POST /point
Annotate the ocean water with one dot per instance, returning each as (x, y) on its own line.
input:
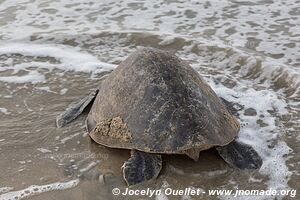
(54, 52)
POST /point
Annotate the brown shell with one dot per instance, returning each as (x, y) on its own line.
(155, 102)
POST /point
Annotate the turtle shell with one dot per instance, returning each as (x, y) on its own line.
(155, 102)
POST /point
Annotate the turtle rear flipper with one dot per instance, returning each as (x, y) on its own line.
(75, 109)
(141, 167)
(240, 155)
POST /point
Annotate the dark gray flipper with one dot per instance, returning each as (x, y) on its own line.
(240, 155)
(75, 109)
(141, 167)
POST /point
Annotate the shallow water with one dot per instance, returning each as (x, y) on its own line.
(54, 52)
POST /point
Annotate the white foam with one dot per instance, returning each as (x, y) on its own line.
(167, 40)
(277, 27)
(45, 88)
(264, 100)
(210, 174)
(43, 150)
(251, 133)
(5, 189)
(63, 91)
(5, 111)
(68, 58)
(72, 58)
(38, 189)
(88, 167)
(64, 140)
(31, 77)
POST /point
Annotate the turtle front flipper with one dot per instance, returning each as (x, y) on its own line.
(141, 167)
(240, 155)
(75, 109)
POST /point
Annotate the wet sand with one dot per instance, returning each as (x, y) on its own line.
(36, 86)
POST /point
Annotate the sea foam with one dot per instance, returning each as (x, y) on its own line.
(38, 189)
(67, 58)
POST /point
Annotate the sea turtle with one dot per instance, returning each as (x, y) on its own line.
(154, 103)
